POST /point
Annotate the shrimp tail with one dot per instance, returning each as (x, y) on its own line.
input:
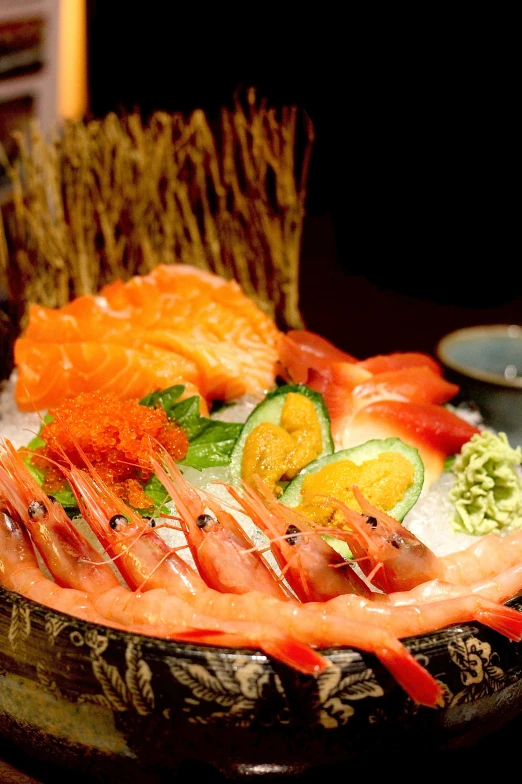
(421, 686)
(503, 619)
(297, 655)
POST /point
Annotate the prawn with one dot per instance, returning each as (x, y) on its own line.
(75, 563)
(307, 561)
(138, 551)
(394, 559)
(498, 588)
(224, 555)
(20, 572)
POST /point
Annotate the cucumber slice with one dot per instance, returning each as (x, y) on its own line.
(269, 410)
(370, 450)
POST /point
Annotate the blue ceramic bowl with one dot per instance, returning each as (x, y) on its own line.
(486, 362)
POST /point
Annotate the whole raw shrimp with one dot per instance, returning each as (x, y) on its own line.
(495, 589)
(75, 563)
(20, 572)
(309, 564)
(224, 555)
(394, 559)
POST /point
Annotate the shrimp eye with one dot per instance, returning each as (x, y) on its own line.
(52, 499)
(292, 529)
(372, 521)
(37, 510)
(203, 520)
(396, 541)
(117, 520)
(151, 520)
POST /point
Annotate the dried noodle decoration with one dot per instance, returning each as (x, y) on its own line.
(113, 198)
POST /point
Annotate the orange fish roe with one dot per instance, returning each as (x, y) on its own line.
(115, 437)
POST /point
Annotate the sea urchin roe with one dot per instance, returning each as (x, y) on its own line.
(276, 452)
(383, 481)
(115, 435)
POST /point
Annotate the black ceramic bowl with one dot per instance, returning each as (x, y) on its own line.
(123, 707)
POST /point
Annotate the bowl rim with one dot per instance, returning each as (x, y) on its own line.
(513, 331)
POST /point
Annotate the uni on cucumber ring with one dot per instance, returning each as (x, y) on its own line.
(388, 472)
(287, 430)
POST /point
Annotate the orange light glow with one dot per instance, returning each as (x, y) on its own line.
(72, 59)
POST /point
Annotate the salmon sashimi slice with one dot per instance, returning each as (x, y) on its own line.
(226, 371)
(178, 324)
(51, 372)
(81, 319)
(175, 294)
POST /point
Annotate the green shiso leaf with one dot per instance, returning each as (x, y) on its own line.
(449, 463)
(154, 490)
(65, 497)
(165, 398)
(211, 441)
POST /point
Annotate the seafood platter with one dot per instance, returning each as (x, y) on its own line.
(280, 543)
(227, 541)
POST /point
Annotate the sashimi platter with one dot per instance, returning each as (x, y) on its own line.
(220, 535)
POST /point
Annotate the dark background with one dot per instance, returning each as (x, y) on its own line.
(412, 218)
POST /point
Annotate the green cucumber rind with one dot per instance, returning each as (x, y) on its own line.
(269, 410)
(359, 454)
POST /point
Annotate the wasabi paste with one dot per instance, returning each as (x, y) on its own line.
(487, 493)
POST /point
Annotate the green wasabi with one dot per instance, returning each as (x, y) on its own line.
(487, 494)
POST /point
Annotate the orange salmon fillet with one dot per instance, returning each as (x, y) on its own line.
(50, 372)
(177, 324)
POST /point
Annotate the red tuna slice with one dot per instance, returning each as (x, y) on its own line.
(416, 384)
(434, 430)
(382, 363)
